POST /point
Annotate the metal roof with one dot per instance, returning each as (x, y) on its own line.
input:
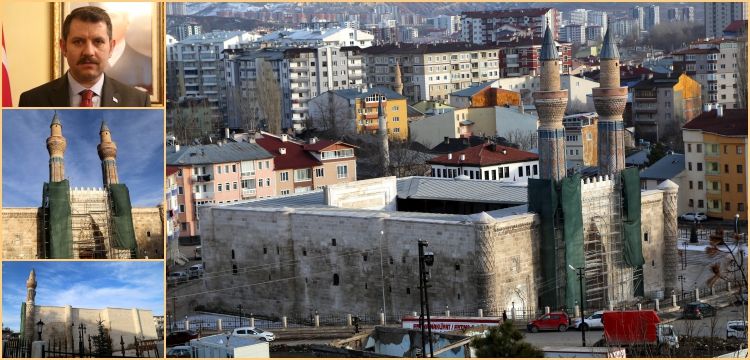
(666, 168)
(609, 48)
(549, 50)
(482, 191)
(216, 154)
(471, 90)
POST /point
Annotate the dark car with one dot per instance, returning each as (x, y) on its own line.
(698, 310)
(180, 337)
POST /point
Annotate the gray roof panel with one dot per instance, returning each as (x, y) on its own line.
(215, 154)
(666, 168)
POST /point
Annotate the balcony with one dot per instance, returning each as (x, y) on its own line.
(300, 109)
(201, 178)
(248, 193)
(203, 195)
(299, 78)
(248, 175)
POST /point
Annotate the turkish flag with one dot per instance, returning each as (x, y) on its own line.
(7, 99)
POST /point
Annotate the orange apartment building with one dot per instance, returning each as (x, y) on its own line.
(217, 174)
(716, 161)
(305, 166)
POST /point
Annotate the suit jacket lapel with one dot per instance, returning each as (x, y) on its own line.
(109, 93)
(60, 95)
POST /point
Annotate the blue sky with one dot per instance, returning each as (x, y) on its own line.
(137, 133)
(93, 285)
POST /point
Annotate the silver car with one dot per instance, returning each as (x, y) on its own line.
(254, 332)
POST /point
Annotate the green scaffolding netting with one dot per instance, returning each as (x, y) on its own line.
(543, 201)
(570, 201)
(122, 218)
(59, 232)
(23, 320)
(631, 219)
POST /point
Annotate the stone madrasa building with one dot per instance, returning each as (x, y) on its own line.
(498, 246)
(61, 322)
(82, 223)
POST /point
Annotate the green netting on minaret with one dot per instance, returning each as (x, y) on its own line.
(59, 232)
(122, 218)
(23, 320)
(543, 201)
(573, 236)
(631, 216)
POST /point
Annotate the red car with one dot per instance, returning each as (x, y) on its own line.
(551, 321)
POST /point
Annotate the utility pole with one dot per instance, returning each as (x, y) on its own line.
(580, 272)
(425, 259)
(682, 286)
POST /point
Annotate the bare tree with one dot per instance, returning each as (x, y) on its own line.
(193, 122)
(244, 108)
(268, 93)
(526, 139)
(407, 161)
(330, 117)
(742, 67)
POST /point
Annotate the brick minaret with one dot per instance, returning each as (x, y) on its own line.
(107, 153)
(383, 137)
(610, 99)
(29, 323)
(550, 104)
(399, 86)
(56, 145)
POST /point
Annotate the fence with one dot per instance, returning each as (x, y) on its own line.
(16, 348)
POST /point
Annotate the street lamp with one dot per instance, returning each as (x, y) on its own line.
(682, 285)
(39, 327)
(81, 331)
(425, 259)
(736, 223)
(382, 274)
(580, 272)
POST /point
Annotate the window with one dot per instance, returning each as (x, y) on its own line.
(226, 169)
(284, 176)
(226, 186)
(268, 182)
(739, 149)
(335, 279)
(179, 190)
(234, 168)
(698, 148)
(536, 170)
(726, 168)
(268, 164)
(690, 203)
(219, 189)
(700, 185)
(342, 171)
(700, 204)
(179, 172)
(319, 172)
(740, 188)
(285, 192)
(218, 169)
(520, 171)
(260, 165)
(302, 175)
(234, 185)
(740, 206)
(645, 237)
(690, 184)
(182, 208)
(739, 169)
(690, 166)
(727, 206)
(699, 166)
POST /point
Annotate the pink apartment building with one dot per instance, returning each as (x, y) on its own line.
(216, 174)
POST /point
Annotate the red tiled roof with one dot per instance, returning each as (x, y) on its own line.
(732, 123)
(172, 169)
(296, 156)
(323, 144)
(483, 155)
(736, 26)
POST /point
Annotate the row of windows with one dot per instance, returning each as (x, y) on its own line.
(714, 148)
(716, 185)
(715, 205)
(502, 172)
(713, 167)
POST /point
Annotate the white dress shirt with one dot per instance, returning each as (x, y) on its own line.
(76, 88)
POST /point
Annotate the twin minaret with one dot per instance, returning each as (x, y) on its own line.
(56, 145)
(551, 101)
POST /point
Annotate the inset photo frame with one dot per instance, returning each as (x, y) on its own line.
(138, 57)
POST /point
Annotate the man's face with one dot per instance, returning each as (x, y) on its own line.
(87, 50)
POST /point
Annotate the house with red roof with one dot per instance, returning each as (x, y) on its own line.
(487, 161)
(305, 166)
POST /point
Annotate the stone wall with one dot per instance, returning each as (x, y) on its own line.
(127, 323)
(21, 233)
(149, 232)
(299, 261)
(652, 223)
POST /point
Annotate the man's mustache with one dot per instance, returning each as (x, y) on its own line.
(88, 60)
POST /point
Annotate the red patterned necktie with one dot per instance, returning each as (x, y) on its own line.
(86, 96)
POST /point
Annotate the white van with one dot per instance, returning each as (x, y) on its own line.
(195, 271)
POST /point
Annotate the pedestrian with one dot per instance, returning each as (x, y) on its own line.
(505, 316)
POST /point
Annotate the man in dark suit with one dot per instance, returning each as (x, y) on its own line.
(86, 44)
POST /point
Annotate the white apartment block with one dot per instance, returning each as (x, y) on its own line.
(480, 27)
(717, 15)
(575, 34)
(431, 71)
(303, 72)
(346, 36)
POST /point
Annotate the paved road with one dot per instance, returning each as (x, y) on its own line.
(571, 337)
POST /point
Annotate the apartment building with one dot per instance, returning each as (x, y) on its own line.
(218, 174)
(581, 140)
(718, 15)
(487, 162)
(481, 27)
(339, 37)
(519, 56)
(681, 14)
(431, 71)
(579, 90)
(662, 104)
(356, 111)
(575, 34)
(714, 64)
(305, 166)
(302, 72)
(716, 163)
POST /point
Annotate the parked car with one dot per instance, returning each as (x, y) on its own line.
(181, 337)
(181, 351)
(694, 217)
(254, 332)
(698, 310)
(593, 321)
(177, 277)
(551, 321)
(737, 329)
(195, 271)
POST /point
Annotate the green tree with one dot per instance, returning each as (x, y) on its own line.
(657, 152)
(505, 341)
(102, 343)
